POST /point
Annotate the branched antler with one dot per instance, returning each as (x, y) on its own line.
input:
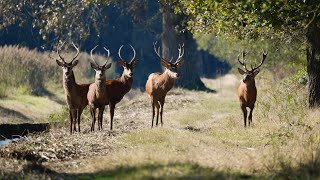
(58, 51)
(264, 55)
(243, 63)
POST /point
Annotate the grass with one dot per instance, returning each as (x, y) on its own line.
(26, 71)
(202, 137)
(30, 108)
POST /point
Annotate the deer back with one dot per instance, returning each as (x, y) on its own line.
(159, 84)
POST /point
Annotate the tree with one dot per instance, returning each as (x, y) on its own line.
(171, 38)
(287, 19)
(85, 22)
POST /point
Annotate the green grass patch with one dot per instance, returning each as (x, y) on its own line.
(156, 136)
(239, 136)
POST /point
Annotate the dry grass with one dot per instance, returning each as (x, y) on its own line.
(25, 71)
(202, 137)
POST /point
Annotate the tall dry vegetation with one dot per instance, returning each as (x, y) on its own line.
(29, 71)
(292, 128)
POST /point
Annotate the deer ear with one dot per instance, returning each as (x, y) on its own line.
(93, 65)
(59, 63)
(74, 63)
(164, 64)
(135, 62)
(179, 64)
(107, 66)
(241, 71)
(122, 63)
(256, 72)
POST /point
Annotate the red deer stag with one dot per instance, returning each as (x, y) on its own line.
(158, 84)
(97, 94)
(247, 91)
(75, 94)
(117, 88)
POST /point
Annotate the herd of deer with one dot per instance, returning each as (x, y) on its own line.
(110, 92)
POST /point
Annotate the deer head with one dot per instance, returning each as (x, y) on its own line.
(128, 67)
(249, 75)
(67, 67)
(169, 65)
(100, 70)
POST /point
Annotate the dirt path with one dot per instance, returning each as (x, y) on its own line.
(202, 132)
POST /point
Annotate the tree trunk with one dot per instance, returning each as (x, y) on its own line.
(171, 38)
(313, 64)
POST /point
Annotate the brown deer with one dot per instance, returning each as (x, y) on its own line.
(158, 84)
(75, 94)
(247, 91)
(117, 88)
(97, 94)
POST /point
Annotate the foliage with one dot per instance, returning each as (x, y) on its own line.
(59, 18)
(279, 54)
(250, 18)
(69, 20)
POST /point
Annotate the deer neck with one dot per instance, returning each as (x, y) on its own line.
(69, 82)
(127, 81)
(100, 83)
(167, 80)
(250, 84)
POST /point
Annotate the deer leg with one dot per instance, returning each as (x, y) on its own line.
(152, 104)
(161, 110)
(250, 116)
(93, 114)
(156, 103)
(75, 118)
(111, 106)
(100, 117)
(244, 111)
(78, 117)
(70, 117)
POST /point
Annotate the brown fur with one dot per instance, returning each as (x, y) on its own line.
(76, 98)
(247, 91)
(97, 94)
(97, 99)
(158, 84)
(116, 89)
(157, 87)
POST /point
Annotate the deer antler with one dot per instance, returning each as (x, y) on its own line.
(264, 55)
(158, 52)
(119, 53)
(134, 54)
(243, 63)
(181, 53)
(108, 51)
(171, 60)
(58, 51)
(108, 55)
(77, 52)
(92, 55)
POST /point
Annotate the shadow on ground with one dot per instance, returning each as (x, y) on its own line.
(8, 130)
(149, 171)
(161, 171)
(12, 113)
